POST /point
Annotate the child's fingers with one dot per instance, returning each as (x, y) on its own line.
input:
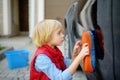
(86, 49)
(78, 43)
(85, 44)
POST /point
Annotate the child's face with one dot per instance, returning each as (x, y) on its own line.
(58, 37)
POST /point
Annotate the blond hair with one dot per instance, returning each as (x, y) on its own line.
(43, 31)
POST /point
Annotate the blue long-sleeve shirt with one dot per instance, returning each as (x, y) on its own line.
(44, 64)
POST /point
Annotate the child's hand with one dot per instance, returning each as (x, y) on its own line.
(76, 49)
(84, 50)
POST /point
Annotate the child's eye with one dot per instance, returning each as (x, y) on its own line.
(59, 32)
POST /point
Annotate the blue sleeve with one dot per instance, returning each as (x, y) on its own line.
(44, 64)
(67, 61)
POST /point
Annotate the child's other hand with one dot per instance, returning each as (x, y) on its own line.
(76, 49)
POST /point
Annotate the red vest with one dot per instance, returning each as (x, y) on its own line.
(56, 57)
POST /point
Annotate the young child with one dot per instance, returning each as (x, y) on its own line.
(48, 62)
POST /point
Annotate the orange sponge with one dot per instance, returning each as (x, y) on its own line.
(89, 61)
